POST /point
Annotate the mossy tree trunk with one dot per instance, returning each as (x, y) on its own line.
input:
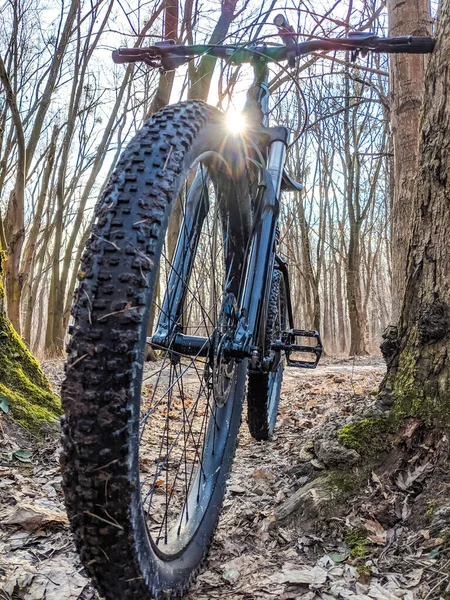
(24, 389)
(418, 378)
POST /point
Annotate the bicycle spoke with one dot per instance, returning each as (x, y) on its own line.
(182, 428)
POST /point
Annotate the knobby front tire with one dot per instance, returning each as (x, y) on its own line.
(146, 455)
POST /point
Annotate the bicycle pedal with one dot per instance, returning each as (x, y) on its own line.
(290, 347)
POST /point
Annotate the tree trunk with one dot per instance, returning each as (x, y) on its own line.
(340, 307)
(418, 378)
(49, 88)
(355, 307)
(15, 217)
(30, 248)
(407, 77)
(14, 229)
(354, 299)
(308, 270)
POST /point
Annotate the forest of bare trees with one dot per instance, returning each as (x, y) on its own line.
(347, 494)
(66, 113)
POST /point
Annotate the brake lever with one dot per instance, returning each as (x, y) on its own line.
(288, 37)
(158, 56)
(170, 63)
(167, 62)
(364, 36)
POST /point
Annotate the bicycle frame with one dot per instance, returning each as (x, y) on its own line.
(252, 306)
(248, 341)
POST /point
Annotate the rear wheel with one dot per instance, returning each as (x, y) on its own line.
(147, 448)
(264, 388)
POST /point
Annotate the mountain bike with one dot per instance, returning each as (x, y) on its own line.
(148, 447)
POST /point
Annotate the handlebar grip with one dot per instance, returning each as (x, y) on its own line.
(118, 58)
(407, 45)
(422, 44)
(284, 29)
(128, 55)
(288, 37)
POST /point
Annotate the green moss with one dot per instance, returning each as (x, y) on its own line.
(344, 483)
(364, 570)
(432, 506)
(367, 436)
(421, 381)
(30, 398)
(359, 552)
(358, 542)
(418, 386)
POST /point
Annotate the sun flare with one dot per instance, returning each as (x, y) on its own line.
(235, 121)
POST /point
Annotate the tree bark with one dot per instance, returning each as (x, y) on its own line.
(352, 191)
(418, 378)
(14, 229)
(407, 77)
(30, 248)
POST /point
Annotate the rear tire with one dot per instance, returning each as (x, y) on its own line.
(145, 468)
(264, 388)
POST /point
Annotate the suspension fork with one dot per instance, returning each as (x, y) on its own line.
(167, 329)
(253, 303)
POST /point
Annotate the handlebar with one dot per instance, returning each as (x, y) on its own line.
(169, 56)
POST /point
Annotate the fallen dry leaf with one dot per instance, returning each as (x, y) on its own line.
(231, 575)
(56, 579)
(315, 576)
(413, 578)
(432, 543)
(33, 517)
(405, 480)
(263, 474)
(376, 479)
(377, 534)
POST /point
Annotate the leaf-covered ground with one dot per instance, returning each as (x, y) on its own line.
(303, 517)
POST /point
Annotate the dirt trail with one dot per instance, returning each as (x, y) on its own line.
(319, 552)
(338, 366)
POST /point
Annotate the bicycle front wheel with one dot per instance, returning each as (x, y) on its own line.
(147, 449)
